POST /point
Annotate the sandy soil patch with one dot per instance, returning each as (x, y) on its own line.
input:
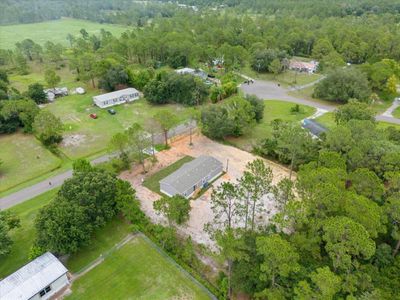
(73, 140)
(234, 160)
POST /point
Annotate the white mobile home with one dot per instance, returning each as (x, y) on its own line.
(117, 97)
(40, 279)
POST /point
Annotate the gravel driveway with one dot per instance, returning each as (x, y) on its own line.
(201, 212)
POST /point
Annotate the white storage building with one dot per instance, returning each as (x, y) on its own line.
(40, 279)
(117, 97)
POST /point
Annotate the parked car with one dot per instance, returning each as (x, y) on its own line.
(93, 116)
(111, 111)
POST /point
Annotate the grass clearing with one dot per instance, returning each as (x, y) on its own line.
(152, 182)
(23, 236)
(274, 109)
(103, 239)
(55, 31)
(24, 158)
(396, 113)
(136, 271)
(85, 136)
(36, 75)
(328, 120)
(288, 78)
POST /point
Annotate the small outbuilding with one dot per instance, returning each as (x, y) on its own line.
(40, 279)
(191, 177)
(117, 97)
(52, 94)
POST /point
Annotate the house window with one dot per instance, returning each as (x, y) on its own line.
(46, 290)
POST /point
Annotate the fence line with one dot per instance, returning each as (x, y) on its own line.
(127, 239)
(172, 261)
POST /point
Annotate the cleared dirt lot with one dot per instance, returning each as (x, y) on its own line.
(201, 213)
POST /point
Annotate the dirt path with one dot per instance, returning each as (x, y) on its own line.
(234, 160)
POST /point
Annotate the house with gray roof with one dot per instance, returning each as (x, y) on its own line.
(117, 97)
(315, 128)
(40, 279)
(191, 177)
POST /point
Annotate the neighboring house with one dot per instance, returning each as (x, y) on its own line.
(301, 66)
(315, 128)
(40, 279)
(56, 92)
(195, 72)
(117, 97)
(191, 177)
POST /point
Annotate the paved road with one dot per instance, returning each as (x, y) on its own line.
(271, 91)
(56, 181)
(304, 86)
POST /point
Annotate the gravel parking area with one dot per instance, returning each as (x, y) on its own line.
(201, 213)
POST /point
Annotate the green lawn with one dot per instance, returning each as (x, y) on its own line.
(85, 136)
(274, 109)
(328, 120)
(152, 182)
(55, 31)
(136, 271)
(36, 75)
(396, 113)
(23, 158)
(23, 236)
(103, 239)
(288, 78)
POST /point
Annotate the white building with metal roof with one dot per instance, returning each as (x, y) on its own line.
(117, 97)
(192, 176)
(39, 279)
(195, 72)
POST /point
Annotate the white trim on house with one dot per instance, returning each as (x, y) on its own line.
(117, 97)
(39, 279)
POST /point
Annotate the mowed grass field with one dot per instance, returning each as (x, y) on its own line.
(274, 109)
(24, 158)
(85, 136)
(136, 271)
(288, 78)
(54, 31)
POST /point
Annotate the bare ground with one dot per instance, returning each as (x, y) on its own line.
(234, 159)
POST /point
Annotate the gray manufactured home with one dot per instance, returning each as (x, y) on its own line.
(191, 176)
